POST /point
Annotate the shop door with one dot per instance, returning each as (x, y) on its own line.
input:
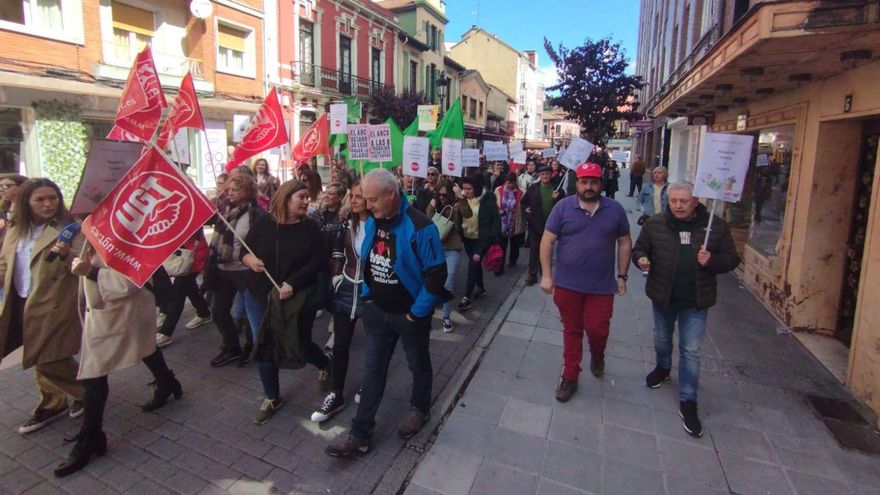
(855, 245)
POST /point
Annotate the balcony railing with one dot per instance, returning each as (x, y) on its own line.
(324, 78)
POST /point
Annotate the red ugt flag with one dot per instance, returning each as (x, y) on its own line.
(267, 131)
(150, 213)
(314, 142)
(185, 112)
(140, 107)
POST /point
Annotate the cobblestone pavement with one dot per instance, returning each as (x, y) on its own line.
(207, 443)
(507, 434)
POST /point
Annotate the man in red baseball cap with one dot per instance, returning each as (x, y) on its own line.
(593, 235)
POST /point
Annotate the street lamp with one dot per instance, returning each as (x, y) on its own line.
(442, 88)
(525, 129)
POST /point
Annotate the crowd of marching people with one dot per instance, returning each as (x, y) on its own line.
(382, 249)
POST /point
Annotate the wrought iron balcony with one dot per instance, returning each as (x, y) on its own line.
(326, 79)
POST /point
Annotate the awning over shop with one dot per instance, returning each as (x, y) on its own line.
(481, 134)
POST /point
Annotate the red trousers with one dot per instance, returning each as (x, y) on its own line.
(581, 313)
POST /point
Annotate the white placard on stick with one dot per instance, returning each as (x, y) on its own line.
(359, 142)
(380, 143)
(338, 118)
(620, 156)
(515, 147)
(549, 153)
(494, 151)
(722, 167)
(107, 163)
(520, 157)
(470, 157)
(577, 152)
(451, 157)
(181, 144)
(415, 156)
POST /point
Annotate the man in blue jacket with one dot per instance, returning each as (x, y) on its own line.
(404, 274)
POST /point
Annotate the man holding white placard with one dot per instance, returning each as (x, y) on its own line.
(682, 287)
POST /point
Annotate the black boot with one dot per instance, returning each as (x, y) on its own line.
(164, 389)
(87, 445)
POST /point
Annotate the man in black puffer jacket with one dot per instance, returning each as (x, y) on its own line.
(682, 286)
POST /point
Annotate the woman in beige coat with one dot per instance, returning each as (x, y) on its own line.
(39, 304)
(119, 331)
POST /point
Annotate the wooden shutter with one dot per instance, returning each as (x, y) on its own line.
(231, 38)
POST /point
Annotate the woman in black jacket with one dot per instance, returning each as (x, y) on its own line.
(480, 231)
(287, 245)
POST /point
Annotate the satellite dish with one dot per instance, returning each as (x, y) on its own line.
(201, 9)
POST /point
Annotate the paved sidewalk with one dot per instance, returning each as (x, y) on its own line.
(207, 443)
(507, 434)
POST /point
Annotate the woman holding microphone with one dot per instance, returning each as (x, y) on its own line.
(39, 310)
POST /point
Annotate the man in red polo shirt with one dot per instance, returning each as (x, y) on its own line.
(592, 231)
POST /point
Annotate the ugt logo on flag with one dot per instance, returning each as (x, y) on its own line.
(146, 217)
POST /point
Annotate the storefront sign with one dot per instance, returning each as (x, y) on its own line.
(415, 156)
(722, 167)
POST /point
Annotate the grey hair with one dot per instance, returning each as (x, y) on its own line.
(382, 178)
(683, 185)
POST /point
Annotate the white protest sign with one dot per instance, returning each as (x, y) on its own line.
(520, 157)
(359, 142)
(470, 157)
(180, 144)
(722, 167)
(415, 156)
(620, 156)
(549, 153)
(213, 150)
(338, 118)
(577, 152)
(380, 143)
(451, 157)
(515, 147)
(494, 151)
(107, 163)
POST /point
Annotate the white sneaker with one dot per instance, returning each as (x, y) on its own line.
(163, 340)
(447, 325)
(330, 342)
(198, 321)
(160, 319)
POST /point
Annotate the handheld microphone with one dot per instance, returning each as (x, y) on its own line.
(66, 235)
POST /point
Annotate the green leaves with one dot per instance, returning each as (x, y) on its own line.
(61, 139)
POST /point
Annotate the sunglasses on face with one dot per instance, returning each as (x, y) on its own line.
(432, 174)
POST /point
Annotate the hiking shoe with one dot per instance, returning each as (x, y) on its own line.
(687, 410)
(597, 365)
(41, 418)
(479, 292)
(226, 356)
(198, 321)
(76, 409)
(347, 444)
(565, 389)
(447, 325)
(333, 403)
(464, 304)
(267, 409)
(412, 424)
(163, 340)
(357, 396)
(656, 377)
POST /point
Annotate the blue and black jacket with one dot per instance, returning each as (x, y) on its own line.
(420, 263)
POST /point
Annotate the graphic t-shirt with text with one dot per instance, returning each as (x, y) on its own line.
(389, 293)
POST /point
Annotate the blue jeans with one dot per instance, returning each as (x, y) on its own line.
(255, 310)
(691, 329)
(452, 258)
(383, 331)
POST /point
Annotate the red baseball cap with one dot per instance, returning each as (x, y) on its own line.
(588, 169)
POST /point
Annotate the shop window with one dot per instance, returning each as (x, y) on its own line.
(133, 28)
(768, 179)
(10, 140)
(233, 55)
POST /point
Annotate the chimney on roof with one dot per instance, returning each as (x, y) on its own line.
(532, 55)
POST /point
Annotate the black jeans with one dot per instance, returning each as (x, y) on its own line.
(182, 288)
(225, 287)
(534, 253)
(96, 391)
(162, 289)
(343, 332)
(383, 330)
(635, 182)
(514, 243)
(475, 268)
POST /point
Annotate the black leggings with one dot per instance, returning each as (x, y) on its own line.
(96, 391)
(343, 332)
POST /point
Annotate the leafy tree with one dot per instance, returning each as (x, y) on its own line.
(403, 107)
(593, 85)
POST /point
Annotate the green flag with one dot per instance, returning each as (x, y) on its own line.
(413, 128)
(354, 109)
(450, 126)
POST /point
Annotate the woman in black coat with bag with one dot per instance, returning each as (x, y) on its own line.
(287, 245)
(479, 232)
